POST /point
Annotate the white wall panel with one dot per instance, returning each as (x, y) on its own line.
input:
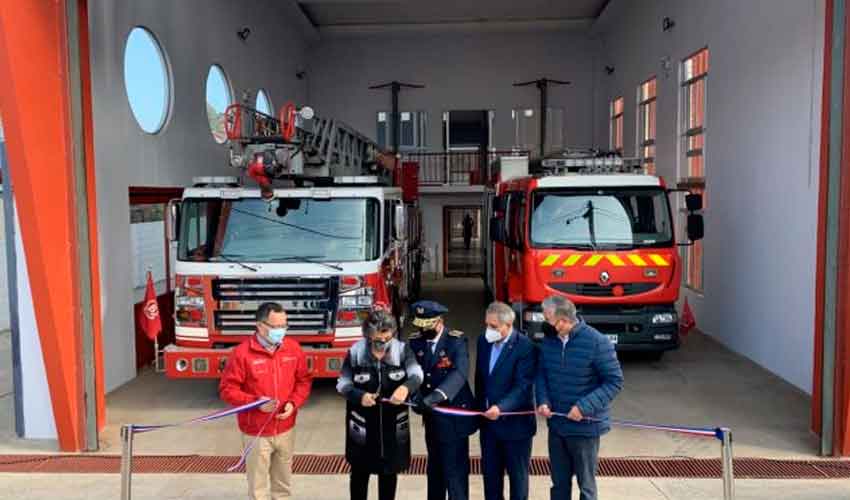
(762, 140)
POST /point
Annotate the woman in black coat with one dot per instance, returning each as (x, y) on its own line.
(377, 433)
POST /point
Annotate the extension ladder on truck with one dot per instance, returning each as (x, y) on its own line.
(299, 145)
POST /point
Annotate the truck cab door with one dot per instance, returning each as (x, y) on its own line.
(515, 245)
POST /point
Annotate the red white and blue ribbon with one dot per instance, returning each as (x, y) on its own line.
(138, 429)
(694, 431)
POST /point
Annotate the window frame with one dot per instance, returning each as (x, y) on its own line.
(168, 75)
(647, 123)
(616, 124)
(693, 256)
(420, 129)
(228, 86)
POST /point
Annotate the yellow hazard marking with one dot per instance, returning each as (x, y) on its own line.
(616, 260)
(572, 260)
(659, 260)
(593, 260)
(636, 260)
(550, 260)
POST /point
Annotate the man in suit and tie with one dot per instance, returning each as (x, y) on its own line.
(443, 356)
(504, 375)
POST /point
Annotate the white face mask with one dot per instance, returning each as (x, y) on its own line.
(492, 335)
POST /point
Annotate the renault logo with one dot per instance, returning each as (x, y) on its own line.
(604, 277)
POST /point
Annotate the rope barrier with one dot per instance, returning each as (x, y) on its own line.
(128, 431)
(695, 431)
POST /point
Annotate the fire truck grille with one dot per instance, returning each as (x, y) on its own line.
(310, 303)
(597, 290)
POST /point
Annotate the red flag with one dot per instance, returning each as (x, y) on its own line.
(150, 320)
(687, 321)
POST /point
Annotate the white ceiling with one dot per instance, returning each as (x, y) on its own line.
(331, 13)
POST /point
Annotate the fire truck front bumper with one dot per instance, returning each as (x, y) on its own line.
(195, 362)
(652, 328)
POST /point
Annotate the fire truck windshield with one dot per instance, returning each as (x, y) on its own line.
(284, 230)
(615, 218)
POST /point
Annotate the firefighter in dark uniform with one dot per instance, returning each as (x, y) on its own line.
(378, 374)
(444, 358)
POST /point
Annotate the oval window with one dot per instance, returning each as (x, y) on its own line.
(263, 105)
(146, 80)
(219, 98)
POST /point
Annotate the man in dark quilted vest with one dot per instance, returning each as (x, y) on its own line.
(578, 375)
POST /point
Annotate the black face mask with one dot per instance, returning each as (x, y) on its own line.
(429, 334)
(548, 329)
(380, 345)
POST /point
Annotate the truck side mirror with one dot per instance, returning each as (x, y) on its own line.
(497, 229)
(172, 219)
(696, 227)
(400, 222)
(693, 202)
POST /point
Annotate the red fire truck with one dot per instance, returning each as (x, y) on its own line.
(594, 228)
(332, 229)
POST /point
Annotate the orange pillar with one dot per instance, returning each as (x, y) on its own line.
(36, 107)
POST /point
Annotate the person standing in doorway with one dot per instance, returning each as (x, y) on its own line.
(504, 378)
(444, 358)
(578, 375)
(268, 365)
(468, 225)
(377, 376)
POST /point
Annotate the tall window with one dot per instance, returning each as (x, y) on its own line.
(646, 124)
(694, 77)
(411, 134)
(617, 106)
(526, 123)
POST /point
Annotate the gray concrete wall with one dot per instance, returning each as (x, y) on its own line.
(471, 71)
(762, 140)
(194, 34)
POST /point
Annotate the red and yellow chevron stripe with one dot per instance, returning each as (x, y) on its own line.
(592, 260)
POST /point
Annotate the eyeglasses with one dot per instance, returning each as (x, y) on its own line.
(269, 325)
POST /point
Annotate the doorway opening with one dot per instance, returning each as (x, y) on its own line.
(462, 241)
(151, 252)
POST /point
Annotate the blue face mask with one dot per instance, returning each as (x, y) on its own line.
(276, 335)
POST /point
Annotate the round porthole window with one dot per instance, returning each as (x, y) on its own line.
(263, 104)
(219, 97)
(147, 80)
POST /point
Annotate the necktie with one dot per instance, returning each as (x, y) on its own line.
(429, 354)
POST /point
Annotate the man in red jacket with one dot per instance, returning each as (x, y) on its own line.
(273, 366)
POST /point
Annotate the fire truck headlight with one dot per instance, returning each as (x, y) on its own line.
(189, 301)
(663, 318)
(364, 301)
(348, 302)
(534, 317)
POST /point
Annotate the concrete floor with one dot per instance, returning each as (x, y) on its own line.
(229, 486)
(701, 384)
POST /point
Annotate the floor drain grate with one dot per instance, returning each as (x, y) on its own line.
(745, 468)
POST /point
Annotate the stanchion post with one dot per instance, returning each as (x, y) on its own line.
(728, 465)
(126, 460)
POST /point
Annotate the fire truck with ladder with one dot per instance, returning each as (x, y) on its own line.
(594, 228)
(331, 230)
